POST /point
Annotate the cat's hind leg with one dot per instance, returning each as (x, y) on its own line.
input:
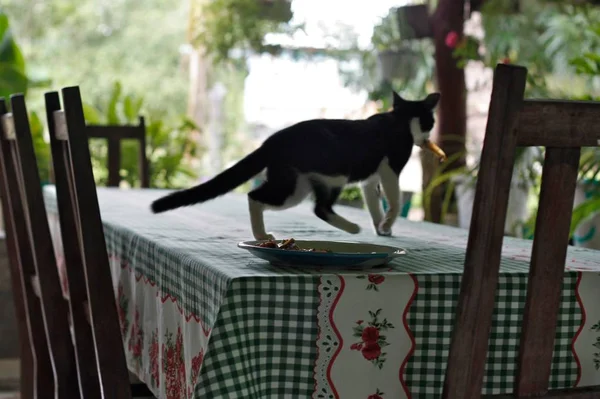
(283, 189)
(325, 197)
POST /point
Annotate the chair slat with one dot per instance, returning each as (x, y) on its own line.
(547, 270)
(34, 355)
(118, 132)
(54, 306)
(114, 134)
(468, 349)
(554, 123)
(104, 319)
(114, 162)
(563, 127)
(78, 300)
(143, 164)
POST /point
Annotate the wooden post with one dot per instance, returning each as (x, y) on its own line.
(452, 110)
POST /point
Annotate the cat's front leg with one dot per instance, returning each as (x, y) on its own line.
(391, 189)
(371, 198)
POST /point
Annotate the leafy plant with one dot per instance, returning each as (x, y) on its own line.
(362, 72)
(12, 64)
(41, 147)
(386, 34)
(170, 143)
(14, 80)
(220, 26)
(526, 175)
(350, 194)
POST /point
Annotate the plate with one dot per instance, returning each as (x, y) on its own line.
(355, 255)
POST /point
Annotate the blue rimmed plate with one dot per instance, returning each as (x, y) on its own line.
(342, 254)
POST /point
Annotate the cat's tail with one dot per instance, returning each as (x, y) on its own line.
(221, 184)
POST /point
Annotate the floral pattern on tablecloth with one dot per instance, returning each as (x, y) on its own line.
(167, 357)
(365, 319)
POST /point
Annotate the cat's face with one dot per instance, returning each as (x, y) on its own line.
(420, 115)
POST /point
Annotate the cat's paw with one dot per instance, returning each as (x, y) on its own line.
(353, 228)
(384, 230)
(265, 237)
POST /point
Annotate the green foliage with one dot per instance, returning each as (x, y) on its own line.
(14, 80)
(170, 143)
(89, 44)
(224, 25)
(386, 34)
(41, 147)
(589, 162)
(361, 72)
(351, 193)
(12, 65)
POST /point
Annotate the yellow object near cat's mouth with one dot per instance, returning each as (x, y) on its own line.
(431, 146)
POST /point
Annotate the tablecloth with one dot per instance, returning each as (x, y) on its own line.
(203, 318)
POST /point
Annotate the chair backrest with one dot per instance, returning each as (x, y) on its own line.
(29, 226)
(36, 365)
(70, 238)
(79, 210)
(563, 127)
(114, 134)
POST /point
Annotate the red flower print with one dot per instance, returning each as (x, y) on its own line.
(376, 278)
(356, 346)
(372, 339)
(136, 340)
(371, 350)
(451, 39)
(376, 395)
(174, 365)
(154, 359)
(196, 364)
(122, 303)
(370, 335)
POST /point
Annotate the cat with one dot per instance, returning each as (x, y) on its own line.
(322, 156)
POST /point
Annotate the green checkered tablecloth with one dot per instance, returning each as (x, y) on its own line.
(202, 318)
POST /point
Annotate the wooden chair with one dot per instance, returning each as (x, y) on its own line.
(36, 365)
(563, 127)
(114, 134)
(84, 244)
(28, 234)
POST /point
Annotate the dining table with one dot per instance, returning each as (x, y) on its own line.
(202, 318)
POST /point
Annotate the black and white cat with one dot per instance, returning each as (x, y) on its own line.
(321, 156)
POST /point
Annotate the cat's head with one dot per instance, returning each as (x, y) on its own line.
(419, 114)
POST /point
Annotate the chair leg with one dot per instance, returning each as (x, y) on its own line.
(140, 389)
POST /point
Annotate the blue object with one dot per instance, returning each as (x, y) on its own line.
(354, 255)
(405, 205)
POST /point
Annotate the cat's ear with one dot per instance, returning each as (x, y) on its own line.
(432, 100)
(398, 101)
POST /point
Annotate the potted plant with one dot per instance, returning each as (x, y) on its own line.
(395, 57)
(414, 21)
(275, 10)
(462, 181)
(585, 223)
